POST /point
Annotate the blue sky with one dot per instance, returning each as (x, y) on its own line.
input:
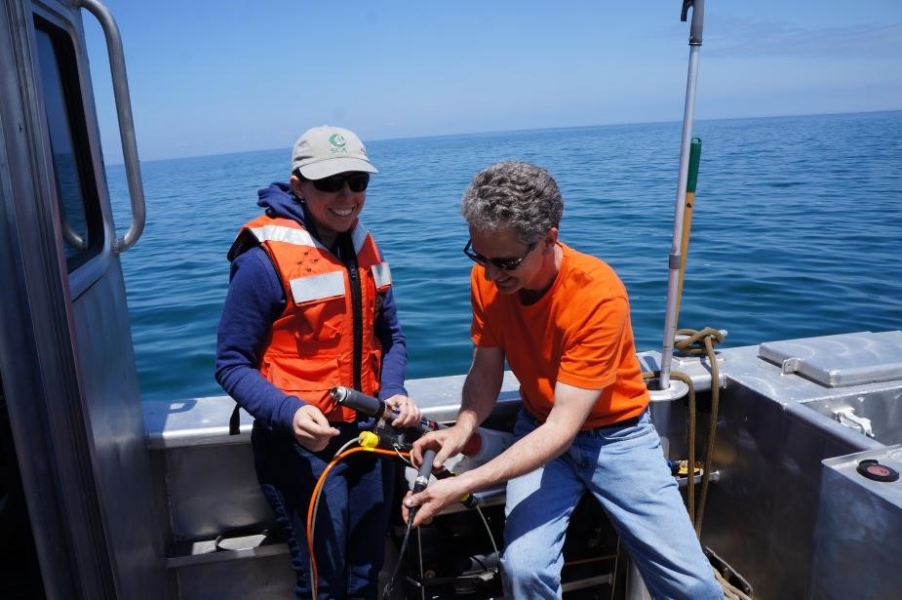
(229, 76)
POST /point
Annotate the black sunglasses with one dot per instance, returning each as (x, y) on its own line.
(357, 182)
(505, 264)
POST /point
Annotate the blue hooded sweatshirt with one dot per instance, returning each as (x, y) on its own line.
(255, 299)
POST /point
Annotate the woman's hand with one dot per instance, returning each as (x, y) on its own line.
(311, 428)
(409, 413)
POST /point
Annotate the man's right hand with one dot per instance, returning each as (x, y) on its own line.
(311, 428)
(446, 442)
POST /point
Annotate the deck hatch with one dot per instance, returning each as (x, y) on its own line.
(840, 360)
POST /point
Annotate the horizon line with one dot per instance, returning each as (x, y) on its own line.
(501, 131)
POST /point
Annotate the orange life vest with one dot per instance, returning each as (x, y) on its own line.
(313, 345)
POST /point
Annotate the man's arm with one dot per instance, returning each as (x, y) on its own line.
(548, 441)
(480, 393)
(481, 388)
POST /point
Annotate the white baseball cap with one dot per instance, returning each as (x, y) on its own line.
(325, 151)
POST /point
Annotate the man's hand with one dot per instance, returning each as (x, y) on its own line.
(433, 499)
(446, 442)
(312, 429)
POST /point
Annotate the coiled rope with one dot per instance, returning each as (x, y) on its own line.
(701, 343)
(697, 343)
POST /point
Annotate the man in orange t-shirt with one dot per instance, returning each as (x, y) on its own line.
(566, 336)
(561, 320)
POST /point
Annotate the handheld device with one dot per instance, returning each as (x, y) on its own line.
(373, 407)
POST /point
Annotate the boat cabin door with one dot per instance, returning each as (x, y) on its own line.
(77, 517)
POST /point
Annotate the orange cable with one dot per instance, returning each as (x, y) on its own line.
(316, 491)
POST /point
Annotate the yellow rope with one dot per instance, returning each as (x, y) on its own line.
(730, 591)
(690, 443)
(698, 343)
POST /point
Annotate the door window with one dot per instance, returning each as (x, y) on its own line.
(76, 189)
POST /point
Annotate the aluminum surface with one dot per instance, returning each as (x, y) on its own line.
(857, 551)
(840, 360)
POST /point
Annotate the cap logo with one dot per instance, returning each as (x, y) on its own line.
(338, 143)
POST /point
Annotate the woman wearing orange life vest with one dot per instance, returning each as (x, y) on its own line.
(310, 307)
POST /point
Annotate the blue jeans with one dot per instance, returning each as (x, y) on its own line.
(624, 468)
(352, 518)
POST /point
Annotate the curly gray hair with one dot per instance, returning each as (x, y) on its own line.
(513, 194)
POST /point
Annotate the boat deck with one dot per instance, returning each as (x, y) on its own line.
(785, 408)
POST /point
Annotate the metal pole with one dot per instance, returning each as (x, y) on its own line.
(126, 122)
(670, 319)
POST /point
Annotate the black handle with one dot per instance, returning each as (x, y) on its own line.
(422, 480)
(374, 407)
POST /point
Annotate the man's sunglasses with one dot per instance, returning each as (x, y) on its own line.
(357, 182)
(505, 264)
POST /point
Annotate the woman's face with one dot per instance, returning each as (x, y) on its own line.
(332, 201)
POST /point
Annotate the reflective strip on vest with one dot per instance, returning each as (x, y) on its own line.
(280, 233)
(318, 287)
(358, 236)
(381, 274)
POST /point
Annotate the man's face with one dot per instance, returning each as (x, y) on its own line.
(491, 249)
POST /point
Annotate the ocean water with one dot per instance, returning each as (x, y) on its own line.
(796, 232)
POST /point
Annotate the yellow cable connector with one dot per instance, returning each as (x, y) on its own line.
(368, 439)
